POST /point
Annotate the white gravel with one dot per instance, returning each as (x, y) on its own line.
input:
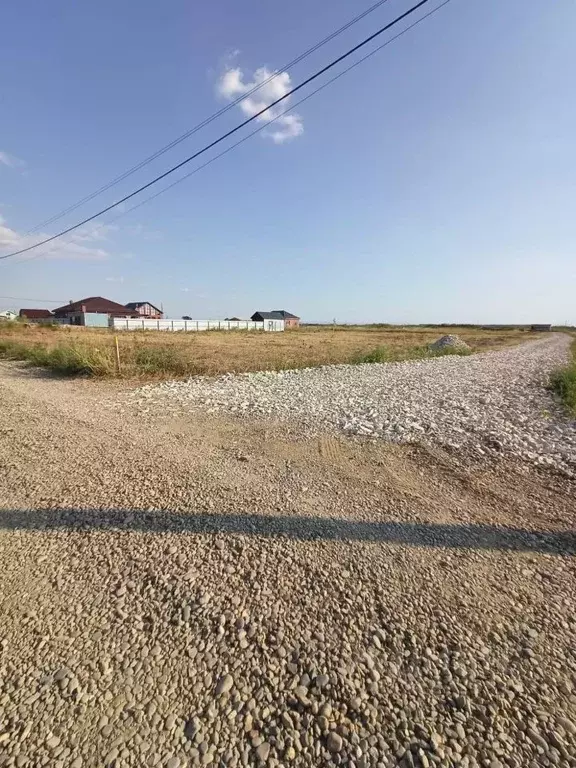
(487, 403)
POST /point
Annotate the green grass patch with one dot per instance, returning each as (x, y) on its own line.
(563, 382)
(66, 359)
(378, 355)
(161, 360)
(388, 355)
(77, 358)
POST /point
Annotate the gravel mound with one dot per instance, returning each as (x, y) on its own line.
(486, 403)
(449, 342)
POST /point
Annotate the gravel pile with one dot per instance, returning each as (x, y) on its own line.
(450, 341)
(487, 404)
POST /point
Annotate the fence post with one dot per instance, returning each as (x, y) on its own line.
(117, 354)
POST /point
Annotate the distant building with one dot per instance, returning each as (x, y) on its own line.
(146, 309)
(233, 319)
(36, 315)
(8, 314)
(186, 317)
(290, 320)
(541, 327)
(94, 311)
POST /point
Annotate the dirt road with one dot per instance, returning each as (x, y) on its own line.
(179, 589)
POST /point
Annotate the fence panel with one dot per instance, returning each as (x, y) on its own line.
(135, 324)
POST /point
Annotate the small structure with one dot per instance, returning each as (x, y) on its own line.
(290, 320)
(8, 314)
(146, 309)
(543, 328)
(233, 319)
(36, 315)
(94, 311)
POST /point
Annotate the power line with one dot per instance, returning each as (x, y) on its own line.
(42, 301)
(226, 135)
(289, 109)
(208, 120)
(266, 125)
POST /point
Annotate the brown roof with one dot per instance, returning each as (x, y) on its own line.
(96, 304)
(36, 314)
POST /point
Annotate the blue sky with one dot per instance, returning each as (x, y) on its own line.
(434, 183)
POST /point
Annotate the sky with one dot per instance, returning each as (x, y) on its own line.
(435, 182)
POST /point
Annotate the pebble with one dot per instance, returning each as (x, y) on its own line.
(334, 742)
(224, 685)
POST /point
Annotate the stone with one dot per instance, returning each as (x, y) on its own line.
(263, 751)
(224, 685)
(334, 742)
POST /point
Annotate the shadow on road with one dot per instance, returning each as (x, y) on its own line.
(295, 527)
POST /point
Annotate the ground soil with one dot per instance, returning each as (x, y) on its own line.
(462, 553)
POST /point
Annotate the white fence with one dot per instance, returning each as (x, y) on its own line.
(143, 324)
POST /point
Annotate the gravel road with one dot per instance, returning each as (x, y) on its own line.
(183, 589)
(486, 403)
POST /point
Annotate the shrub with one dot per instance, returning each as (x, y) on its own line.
(378, 355)
(563, 382)
(161, 359)
(67, 359)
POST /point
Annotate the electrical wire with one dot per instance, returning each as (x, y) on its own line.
(262, 127)
(226, 135)
(209, 119)
(289, 109)
(43, 301)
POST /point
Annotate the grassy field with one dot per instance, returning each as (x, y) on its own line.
(563, 382)
(157, 354)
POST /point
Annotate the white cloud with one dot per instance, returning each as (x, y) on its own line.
(76, 247)
(114, 279)
(232, 84)
(11, 161)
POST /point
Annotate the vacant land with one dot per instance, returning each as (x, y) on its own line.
(166, 355)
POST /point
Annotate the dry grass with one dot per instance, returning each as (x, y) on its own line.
(157, 354)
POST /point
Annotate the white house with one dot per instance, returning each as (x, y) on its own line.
(8, 314)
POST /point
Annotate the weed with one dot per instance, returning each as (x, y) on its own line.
(154, 360)
(378, 355)
(387, 355)
(563, 382)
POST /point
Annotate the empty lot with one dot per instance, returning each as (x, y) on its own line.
(182, 588)
(154, 354)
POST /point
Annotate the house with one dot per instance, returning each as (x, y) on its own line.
(146, 309)
(94, 311)
(36, 315)
(233, 319)
(290, 320)
(8, 314)
(541, 327)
